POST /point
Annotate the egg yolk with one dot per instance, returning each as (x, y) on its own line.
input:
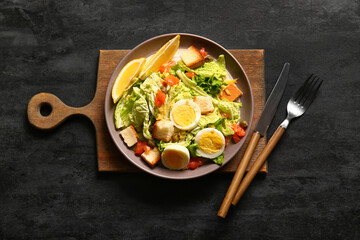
(174, 159)
(184, 115)
(210, 142)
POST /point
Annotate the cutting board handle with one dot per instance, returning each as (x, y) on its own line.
(59, 111)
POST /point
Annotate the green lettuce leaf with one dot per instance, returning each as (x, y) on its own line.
(219, 122)
(206, 120)
(150, 87)
(180, 66)
(139, 114)
(233, 108)
(209, 119)
(211, 85)
(213, 68)
(196, 90)
(219, 160)
(192, 149)
(146, 129)
(225, 127)
(123, 109)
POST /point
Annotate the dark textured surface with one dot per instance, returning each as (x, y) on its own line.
(49, 187)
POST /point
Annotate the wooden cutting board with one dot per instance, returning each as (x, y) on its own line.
(108, 156)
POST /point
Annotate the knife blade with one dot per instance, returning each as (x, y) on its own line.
(273, 101)
(260, 130)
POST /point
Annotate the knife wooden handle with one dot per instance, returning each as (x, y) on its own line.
(224, 208)
(58, 111)
(258, 164)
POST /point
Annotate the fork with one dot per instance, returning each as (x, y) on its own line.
(296, 107)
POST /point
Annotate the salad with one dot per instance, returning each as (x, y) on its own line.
(184, 111)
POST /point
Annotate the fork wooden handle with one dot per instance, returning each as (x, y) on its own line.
(238, 175)
(258, 164)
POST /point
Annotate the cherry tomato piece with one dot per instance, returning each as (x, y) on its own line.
(140, 147)
(238, 130)
(160, 98)
(195, 163)
(190, 74)
(167, 66)
(236, 138)
(225, 115)
(172, 80)
(203, 52)
(234, 127)
(162, 68)
(163, 82)
(227, 140)
(241, 132)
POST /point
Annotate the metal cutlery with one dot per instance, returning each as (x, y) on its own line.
(260, 130)
(296, 107)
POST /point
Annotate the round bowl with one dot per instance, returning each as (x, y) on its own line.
(148, 48)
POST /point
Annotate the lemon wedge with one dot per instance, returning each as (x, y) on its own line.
(162, 56)
(126, 76)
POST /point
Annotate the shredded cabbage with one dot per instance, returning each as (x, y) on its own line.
(137, 106)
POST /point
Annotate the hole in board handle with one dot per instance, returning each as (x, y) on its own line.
(45, 109)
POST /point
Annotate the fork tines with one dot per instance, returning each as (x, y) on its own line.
(307, 92)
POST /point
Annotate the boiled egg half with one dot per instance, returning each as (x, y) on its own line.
(211, 143)
(175, 157)
(185, 114)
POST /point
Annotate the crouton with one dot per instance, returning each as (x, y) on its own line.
(130, 136)
(152, 157)
(231, 92)
(163, 130)
(205, 104)
(192, 57)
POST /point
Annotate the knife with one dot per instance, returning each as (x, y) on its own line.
(260, 130)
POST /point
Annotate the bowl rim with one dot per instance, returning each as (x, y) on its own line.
(109, 123)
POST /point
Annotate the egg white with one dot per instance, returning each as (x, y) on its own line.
(194, 106)
(207, 155)
(181, 150)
